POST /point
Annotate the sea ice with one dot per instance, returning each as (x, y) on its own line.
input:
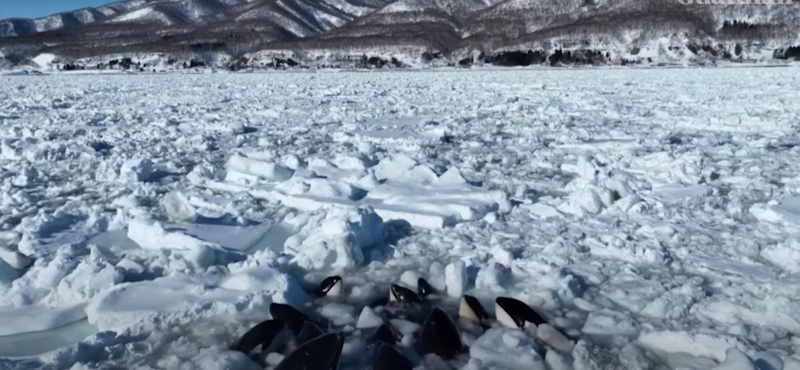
(368, 319)
(507, 348)
(405, 327)
(649, 214)
(137, 169)
(456, 278)
(179, 299)
(335, 238)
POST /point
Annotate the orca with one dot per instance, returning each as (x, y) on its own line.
(338, 352)
(321, 353)
(383, 301)
(514, 313)
(402, 294)
(289, 316)
(471, 309)
(389, 358)
(399, 294)
(260, 338)
(440, 335)
(384, 334)
(308, 332)
(424, 288)
(332, 286)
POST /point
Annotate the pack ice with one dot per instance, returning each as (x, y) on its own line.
(649, 216)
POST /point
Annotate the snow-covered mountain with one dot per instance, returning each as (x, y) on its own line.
(505, 32)
(21, 26)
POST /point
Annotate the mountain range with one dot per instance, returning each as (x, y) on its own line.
(505, 32)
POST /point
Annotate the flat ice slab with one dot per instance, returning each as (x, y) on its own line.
(26, 319)
(396, 188)
(41, 342)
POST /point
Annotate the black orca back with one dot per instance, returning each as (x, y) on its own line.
(308, 332)
(384, 334)
(389, 358)
(262, 335)
(520, 312)
(321, 353)
(383, 301)
(289, 316)
(440, 335)
(338, 352)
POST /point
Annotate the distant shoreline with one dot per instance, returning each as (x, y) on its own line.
(204, 71)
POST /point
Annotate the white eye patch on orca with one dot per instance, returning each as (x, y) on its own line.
(331, 287)
(472, 309)
(401, 294)
(424, 288)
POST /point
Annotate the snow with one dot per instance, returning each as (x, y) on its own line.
(778, 211)
(134, 15)
(238, 164)
(152, 235)
(273, 359)
(502, 256)
(48, 23)
(553, 360)
(180, 298)
(15, 259)
(607, 322)
(16, 320)
(409, 279)
(507, 348)
(44, 60)
(136, 169)
(368, 319)
(552, 337)
(492, 278)
(699, 344)
(405, 327)
(649, 215)
(255, 279)
(339, 314)
(31, 344)
(456, 278)
(735, 359)
(336, 238)
(178, 207)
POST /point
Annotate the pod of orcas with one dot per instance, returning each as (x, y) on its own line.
(307, 347)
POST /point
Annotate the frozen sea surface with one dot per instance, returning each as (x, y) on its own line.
(653, 216)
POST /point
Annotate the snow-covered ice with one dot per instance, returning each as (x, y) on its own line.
(507, 349)
(651, 216)
(456, 278)
(405, 327)
(368, 319)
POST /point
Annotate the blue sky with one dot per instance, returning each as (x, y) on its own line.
(39, 8)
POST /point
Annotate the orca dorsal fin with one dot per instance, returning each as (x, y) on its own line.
(263, 334)
(440, 335)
